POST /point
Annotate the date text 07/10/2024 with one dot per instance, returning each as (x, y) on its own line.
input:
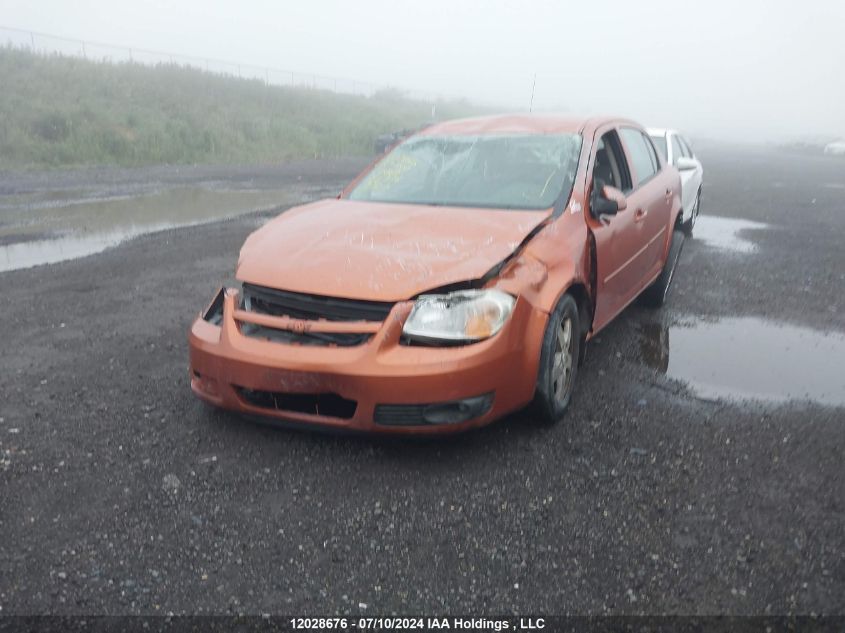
(418, 624)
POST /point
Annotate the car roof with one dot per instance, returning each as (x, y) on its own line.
(661, 131)
(518, 124)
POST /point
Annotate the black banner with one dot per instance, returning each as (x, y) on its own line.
(528, 623)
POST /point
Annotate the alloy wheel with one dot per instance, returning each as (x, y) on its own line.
(562, 363)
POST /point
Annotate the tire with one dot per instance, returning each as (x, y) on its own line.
(690, 224)
(558, 361)
(655, 295)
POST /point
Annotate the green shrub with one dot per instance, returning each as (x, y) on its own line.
(61, 111)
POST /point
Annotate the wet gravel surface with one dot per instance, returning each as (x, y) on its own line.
(120, 493)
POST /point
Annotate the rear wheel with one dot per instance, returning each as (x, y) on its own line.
(690, 224)
(655, 295)
(558, 361)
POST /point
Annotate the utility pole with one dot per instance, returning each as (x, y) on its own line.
(533, 85)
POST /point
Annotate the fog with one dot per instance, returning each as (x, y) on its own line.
(750, 70)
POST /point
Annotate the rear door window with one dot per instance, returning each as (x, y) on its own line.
(643, 156)
(687, 148)
(660, 143)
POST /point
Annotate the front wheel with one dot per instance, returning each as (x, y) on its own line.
(655, 295)
(558, 361)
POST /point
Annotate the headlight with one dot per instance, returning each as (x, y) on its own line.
(466, 316)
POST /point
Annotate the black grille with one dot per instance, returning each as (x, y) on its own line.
(325, 404)
(312, 307)
(400, 414)
(449, 412)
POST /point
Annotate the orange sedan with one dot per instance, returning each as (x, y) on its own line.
(456, 280)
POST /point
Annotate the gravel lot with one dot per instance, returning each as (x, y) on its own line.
(120, 493)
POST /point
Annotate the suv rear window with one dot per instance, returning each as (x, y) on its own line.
(677, 150)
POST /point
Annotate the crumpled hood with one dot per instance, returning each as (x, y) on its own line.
(379, 251)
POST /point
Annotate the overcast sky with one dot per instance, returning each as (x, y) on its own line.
(760, 69)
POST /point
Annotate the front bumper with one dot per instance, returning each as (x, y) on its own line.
(228, 369)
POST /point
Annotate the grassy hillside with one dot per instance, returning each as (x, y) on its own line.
(61, 111)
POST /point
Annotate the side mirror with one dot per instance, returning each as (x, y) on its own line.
(607, 200)
(685, 163)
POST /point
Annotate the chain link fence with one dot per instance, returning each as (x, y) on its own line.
(47, 44)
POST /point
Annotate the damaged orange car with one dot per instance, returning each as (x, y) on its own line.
(454, 281)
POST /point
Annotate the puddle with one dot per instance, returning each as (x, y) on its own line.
(58, 249)
(725, 233)
(54, 200)
(749, 359)
(34, 233)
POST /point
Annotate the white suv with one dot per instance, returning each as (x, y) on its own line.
(676, 151)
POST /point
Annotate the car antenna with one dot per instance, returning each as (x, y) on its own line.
(533, 85)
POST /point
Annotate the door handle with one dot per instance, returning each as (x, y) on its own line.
(639, 214)
(668, 193)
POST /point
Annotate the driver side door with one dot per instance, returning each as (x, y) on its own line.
(616, 237)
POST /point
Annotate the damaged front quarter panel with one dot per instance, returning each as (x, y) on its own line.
(553, 261)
